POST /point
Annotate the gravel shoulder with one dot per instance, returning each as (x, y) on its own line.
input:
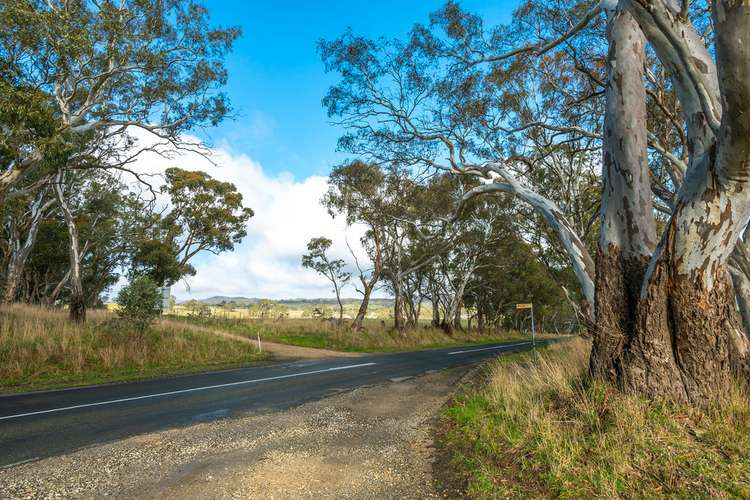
(373, 442)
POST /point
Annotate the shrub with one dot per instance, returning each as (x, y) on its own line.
(139, 303)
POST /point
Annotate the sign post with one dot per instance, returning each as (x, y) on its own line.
(533, 326)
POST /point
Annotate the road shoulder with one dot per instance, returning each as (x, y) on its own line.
(370, 442)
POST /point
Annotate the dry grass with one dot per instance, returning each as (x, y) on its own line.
(538, 428)
(40, 348)
(377, 336)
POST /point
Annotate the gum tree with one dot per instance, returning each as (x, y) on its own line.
(488, 103)
(96, 70)
(333, 270)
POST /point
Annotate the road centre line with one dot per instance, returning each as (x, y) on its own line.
(183, 391)
(488, 348)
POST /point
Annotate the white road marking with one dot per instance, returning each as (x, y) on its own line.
(488, 348)
(8, 466)
(183, 391)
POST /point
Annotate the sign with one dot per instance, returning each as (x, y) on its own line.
(165, 295)
(533, 327)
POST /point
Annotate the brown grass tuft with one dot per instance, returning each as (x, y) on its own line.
(40, 348)
(539, 428)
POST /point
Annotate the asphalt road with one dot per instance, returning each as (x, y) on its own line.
(42, 424)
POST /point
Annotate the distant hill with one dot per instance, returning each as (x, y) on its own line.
(220, 299)
(246, 301)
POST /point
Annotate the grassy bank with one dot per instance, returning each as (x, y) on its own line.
(538, 428)
(376, 336)
(40, 348)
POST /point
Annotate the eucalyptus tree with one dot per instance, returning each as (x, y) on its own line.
(205, 214)
(359, 192)
(333, 270)
(662, 305)
(107, 218)
(84, 74)
(23, 215)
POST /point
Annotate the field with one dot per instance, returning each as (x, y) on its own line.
(292, 310)
(377, 336)
(40, 348)
(535, 427)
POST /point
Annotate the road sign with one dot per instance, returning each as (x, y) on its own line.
(533, 326)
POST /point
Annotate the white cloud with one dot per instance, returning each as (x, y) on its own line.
(287, 214)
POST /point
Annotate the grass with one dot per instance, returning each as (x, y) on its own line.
(376, 336)
(538, 428)
(40, 348)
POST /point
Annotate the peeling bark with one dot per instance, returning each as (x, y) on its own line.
(628, 230)
(684, 342)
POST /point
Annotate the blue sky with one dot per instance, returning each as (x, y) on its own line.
(276, 79)
(280, 148)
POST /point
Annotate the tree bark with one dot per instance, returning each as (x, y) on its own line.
(362, 311)
(628, 230)
(77, 305)
(20, 251)
(398, 305)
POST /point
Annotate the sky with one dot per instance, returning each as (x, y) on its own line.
(280, 145)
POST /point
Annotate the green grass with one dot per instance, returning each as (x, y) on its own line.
(41, 349)
(376, 337)
(538, 428)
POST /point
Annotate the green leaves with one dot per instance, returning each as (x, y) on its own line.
(139, 303)
(318, 261)
(207, 214)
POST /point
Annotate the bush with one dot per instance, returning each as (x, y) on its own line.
(139, 303)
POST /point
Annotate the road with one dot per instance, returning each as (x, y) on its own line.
(43, 424)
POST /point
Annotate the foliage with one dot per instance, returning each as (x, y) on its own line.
(100, 68)
(139, 303)
(199, 310)
(157, 260)
(206, 214)
(77, 81)
(333, 270)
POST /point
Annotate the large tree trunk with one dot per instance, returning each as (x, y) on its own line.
(399, 318)
(628, 230)
(369, 285)
(77, 306)
(362, 311)
(685, 340)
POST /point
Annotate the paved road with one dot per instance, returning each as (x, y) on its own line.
(38, 425)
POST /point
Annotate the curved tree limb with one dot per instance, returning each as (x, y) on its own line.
(583, 264)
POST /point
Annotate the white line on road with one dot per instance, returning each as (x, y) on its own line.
(488, 348)
(8, 466)
(182, 391)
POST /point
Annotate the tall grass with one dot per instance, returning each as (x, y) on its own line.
(376, 336)
(539, 428)
(40, 347)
